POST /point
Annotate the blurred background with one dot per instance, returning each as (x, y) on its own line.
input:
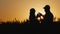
(19, 9)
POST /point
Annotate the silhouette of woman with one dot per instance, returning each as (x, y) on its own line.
(32, 15)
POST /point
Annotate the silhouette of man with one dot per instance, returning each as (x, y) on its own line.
(32, 15)
(48, 16)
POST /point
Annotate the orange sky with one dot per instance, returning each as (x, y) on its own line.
(19, 9)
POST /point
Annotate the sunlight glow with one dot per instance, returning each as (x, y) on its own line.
(42, 17)
(20, 9)
(39, 18)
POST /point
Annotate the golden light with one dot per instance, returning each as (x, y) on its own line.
(39, 18)
(56, 20)
(19, 9)
(42, 17)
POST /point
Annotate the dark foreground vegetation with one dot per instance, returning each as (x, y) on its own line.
(30, 28)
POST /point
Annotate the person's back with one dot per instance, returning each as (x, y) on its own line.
(48, 18)
(48, 15)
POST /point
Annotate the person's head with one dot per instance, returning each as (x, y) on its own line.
(47, 8)
(39, 14)
(32, 10)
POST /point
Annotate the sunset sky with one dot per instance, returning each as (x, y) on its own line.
(19, 9)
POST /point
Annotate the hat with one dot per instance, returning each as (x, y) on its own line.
(47, 7)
